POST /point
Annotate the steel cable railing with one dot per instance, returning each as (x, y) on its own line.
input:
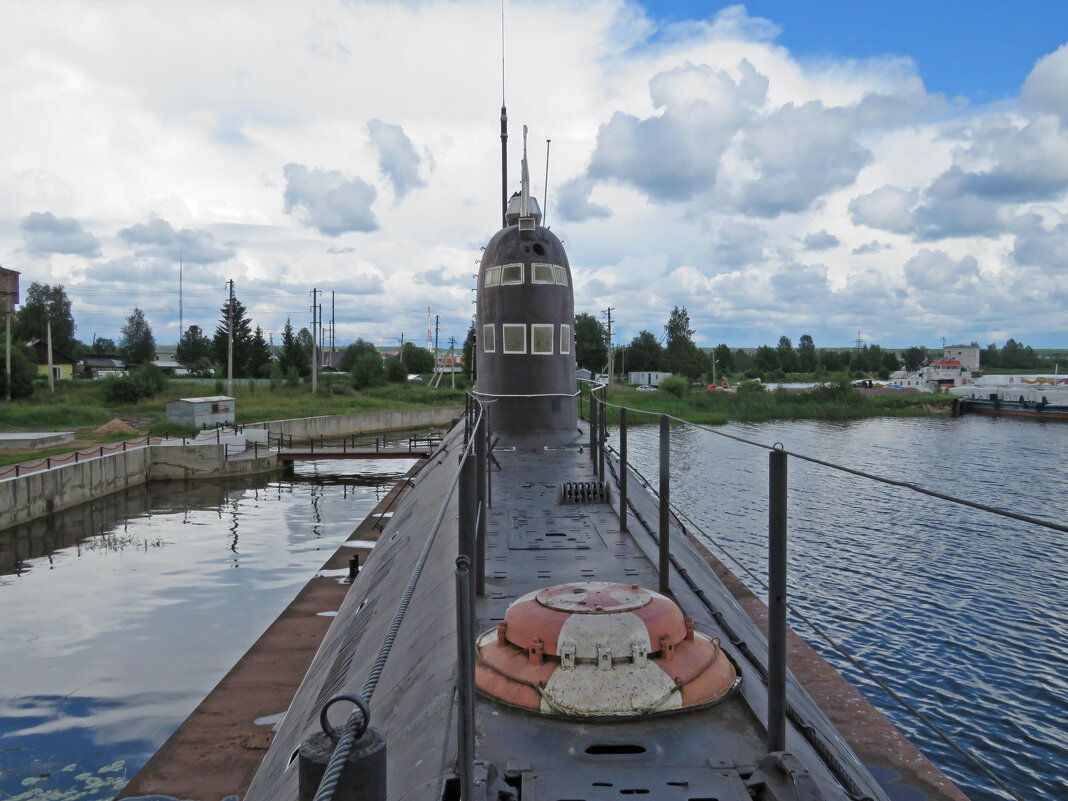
(682, 517)
(357, 720)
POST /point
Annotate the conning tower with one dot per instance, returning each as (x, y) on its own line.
(525, 327)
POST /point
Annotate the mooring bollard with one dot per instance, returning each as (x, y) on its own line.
(354, 567)
(363, 776)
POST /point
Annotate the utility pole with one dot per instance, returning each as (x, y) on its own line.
(181, 320)
(51, 378)
(452, 367)
(611, 354)
(437, 326)
(7, 345)
(331, 328)
(314, 359)
(230, 341)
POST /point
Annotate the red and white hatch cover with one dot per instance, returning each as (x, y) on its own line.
(595, 649)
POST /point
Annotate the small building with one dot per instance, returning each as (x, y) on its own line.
(102, 366)
(62, 364)
(652, 378)
(205, 412)
(967, 355)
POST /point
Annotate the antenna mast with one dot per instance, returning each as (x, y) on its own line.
(545, 196)
(504, 135)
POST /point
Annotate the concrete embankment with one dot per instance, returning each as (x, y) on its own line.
(42, 493)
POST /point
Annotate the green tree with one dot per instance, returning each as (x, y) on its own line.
(41, 304)
(354, 352)
(292, 361)
(914, 356)
(233, 310)
(470, 367)
(137, 342)
(194, 348)
(416, 359)
(742, 361)
(766, 359)
(259, 355)
(644, 353)
(102, 346)
(1017, 356)
(306, 346)
(724, 359)
(396, 372)
(681, 355)
(787, 355)
(23, 369)
(991, 357)
(833, 361)
(806, 354)
(591, 343)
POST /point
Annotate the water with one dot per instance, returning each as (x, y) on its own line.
(962, 613)
(119, 618)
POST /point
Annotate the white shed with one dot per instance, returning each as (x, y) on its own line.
(202, 412)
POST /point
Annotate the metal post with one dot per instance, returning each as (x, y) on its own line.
(593, 427)
(602, 435)
(466, 679)
(623, 470)
(665, 515)
(468, 510)
(777, 600)
(489, 465)
(480, 488)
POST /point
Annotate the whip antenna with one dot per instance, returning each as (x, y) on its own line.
(504, 135)
(545, 194)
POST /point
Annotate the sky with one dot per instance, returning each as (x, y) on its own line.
(892, 173)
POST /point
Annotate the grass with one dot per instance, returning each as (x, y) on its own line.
(832, 402)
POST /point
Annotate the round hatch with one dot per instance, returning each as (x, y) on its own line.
(594, 649)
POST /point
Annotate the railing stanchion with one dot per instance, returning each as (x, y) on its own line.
(602, 436)
(489, 465)
(480, 487)
(665, 514)
(465, 634)
(623, 469)
(593, 428)
(777, 600)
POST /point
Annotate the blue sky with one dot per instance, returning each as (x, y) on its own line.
(978, 49)
(893, 172)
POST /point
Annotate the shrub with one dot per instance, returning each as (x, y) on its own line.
(395, 371)
(367, 371)
(675, 385)
(751, 388)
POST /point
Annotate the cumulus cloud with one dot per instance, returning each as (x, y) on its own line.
(739, 244)
(1037, 245)
(396, 156)
(801, 284)
(934, 271)
(675, 155)
(871, 247)
(820, 240)
(1043, 91)
(327, 201)
(573, 201)
(887, 208)
(44, 233)
(158, 238)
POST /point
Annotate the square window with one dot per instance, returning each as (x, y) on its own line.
(512, 274)
(541, 339)
(565, 339)
(515, 338)
(561, 274)
(493, 276)
(489, 343)
(542, 274)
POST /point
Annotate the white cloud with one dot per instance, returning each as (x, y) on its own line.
(698, 164)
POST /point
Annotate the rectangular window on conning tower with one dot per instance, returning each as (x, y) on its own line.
(515, 338)
(565, 339)
(489, 344)
(541, 339)
(493, 276)
(542, 273)
(561, 274)
(511, 274)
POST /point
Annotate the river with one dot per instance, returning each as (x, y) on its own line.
(963, 613)
(117, 619)
(115, 622)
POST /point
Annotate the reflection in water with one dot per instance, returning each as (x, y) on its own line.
(119, 616)
(963, 613)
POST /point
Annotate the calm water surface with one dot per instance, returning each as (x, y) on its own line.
(118, 619)
(963, 613)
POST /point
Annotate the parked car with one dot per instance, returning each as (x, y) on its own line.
(646, 388)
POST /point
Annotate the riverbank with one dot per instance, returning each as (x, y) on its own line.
(754, 404)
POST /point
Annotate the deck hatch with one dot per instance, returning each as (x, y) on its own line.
(549, 532)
